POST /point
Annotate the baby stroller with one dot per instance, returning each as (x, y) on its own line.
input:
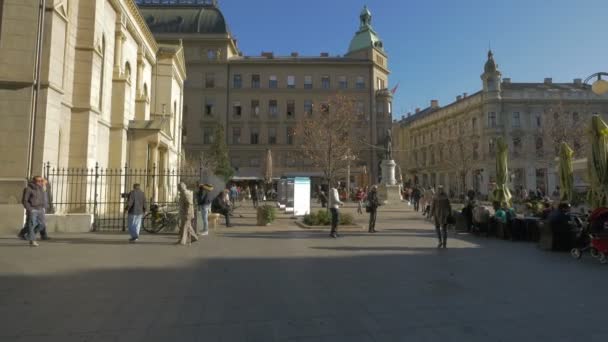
(595, 239)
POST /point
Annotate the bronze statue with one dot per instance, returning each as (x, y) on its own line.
(186, 213)
(388, 145)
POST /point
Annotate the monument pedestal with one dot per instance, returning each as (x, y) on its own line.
(388, 191)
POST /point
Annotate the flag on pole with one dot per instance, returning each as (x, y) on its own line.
(394, 90)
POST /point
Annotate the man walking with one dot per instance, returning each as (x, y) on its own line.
(187, 235)
(33, 201)
(48, 208)
(136, 208)
(373, 203)
(441, 211)
(415, 197)
(334, 206)
(255, 196)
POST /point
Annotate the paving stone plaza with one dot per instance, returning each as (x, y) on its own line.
(283, 283)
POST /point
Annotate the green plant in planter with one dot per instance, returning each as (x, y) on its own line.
(266, 214)
(323, 218)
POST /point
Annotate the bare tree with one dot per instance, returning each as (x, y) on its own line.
(559, 125)
(460, 155)
(327, 136)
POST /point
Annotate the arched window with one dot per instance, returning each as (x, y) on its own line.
(102, 72)
(128, 71)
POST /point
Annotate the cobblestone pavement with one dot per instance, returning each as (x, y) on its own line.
(282, 283)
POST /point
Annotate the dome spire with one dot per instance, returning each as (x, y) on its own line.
(366, 18)
(491, 66)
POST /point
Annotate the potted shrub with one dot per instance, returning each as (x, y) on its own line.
(266, 214)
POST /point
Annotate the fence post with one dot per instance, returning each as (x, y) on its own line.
(47, 171)
(126, 187)
(95, 216)
(153, 199)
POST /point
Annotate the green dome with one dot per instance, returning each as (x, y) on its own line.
(201, 19)
(366, 37)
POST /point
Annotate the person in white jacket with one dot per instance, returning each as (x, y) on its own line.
(334, 206)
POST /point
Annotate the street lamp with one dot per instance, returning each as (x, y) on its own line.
(349, 157)
(600, 86)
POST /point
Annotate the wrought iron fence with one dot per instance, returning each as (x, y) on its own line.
(102, 192)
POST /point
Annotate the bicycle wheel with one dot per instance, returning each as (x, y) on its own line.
(153, 224)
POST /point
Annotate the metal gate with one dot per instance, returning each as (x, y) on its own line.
(102, 191)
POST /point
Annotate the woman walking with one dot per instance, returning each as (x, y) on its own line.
(372, 206)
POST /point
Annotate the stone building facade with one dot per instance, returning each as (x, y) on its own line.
(260, 100)
(455, 145)
(109, 93)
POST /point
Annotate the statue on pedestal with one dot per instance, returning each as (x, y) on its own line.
(388, 145)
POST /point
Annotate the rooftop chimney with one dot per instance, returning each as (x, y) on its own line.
(268, 54)
(417, 110)
(464, 95)
(548, 80)
(506, 80)
(578, 81)
(434, 104)
(324, 54)
(295, 54)
(459, 97)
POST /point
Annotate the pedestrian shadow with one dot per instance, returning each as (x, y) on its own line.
(83, 241)
(382, 249)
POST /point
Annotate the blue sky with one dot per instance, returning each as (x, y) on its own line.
(437, 48)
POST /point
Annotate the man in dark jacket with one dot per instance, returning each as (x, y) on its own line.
(34, 202)
(48, 209)
(372, 205)
(255, 196)
(441, 211)
(220, 206)
(416, 194)
(136, 208)
(203, 201)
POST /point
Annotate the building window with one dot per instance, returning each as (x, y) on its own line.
(291, 132)
(273, 109)
(380, 108)
(254, 136)
(209, 105)
(475, 151)
(272, 136)
(516, 147)
(540, 147)
(272, 82)
(307, 82)
(492, 147)
(254, 162)
(380, 60)
(390, 108)
(237, 81)
(236, 135)
(539, 121)
(381, 83)
(237, 110)
(291, 109)
(461, 128)
(360, 82)
(575, 117)
(291, 82)
(343, 83)
(325, 82)
(255, 108)
(308, 107)
(211, 55)
(492, 119)
(255, 81)
(208, 135)
(209, 80)
(474, 124)
(516, 122)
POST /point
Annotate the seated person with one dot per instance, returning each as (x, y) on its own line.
(547, 209)
(500, 214)
(220, 205)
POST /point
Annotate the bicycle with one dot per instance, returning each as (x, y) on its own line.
(160, 219)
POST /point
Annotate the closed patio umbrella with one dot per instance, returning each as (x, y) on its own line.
(268, 167)
(502, 193)
(598, 163)
(566, 173)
